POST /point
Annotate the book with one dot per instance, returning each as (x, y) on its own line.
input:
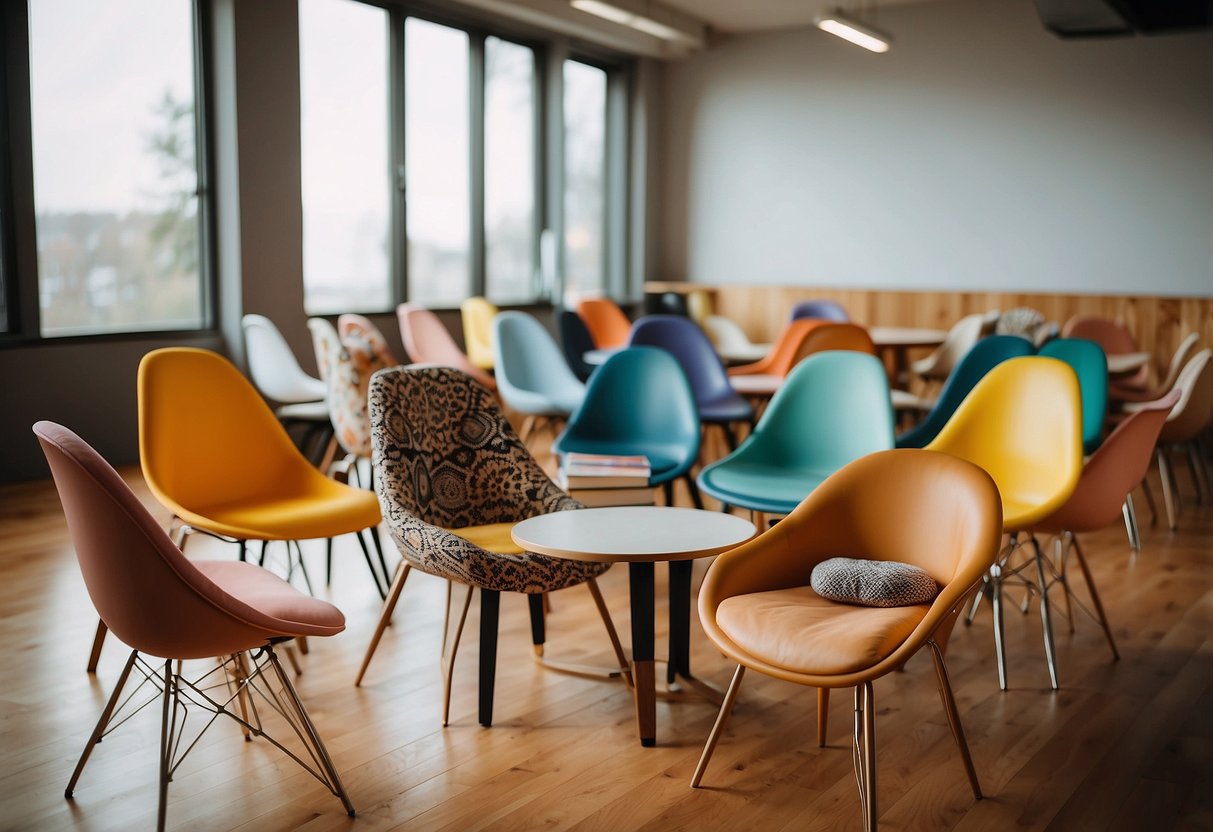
(578, 470)
(599, 497)
(600, 481)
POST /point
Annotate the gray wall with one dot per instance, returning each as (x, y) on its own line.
(981, 152)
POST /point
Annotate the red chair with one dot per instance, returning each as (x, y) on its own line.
(167, 607)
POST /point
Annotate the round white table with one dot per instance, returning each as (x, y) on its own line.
(641, 536)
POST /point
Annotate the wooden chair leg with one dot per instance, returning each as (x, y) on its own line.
(449, 661)
(389, 605)
(95, 655)
(726, 709)
(1169, 497)
(605, 614)
(490, 609)
(949, 706)
(823, 715)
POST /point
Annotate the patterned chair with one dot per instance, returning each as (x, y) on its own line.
(453, 478)
(360, 326)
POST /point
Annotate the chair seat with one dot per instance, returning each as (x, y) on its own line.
(296, 614)
(798, 630)
(305, 411)
(731, 409)
(493, 537)
(903, 400)
(761, 487)
(319, 508)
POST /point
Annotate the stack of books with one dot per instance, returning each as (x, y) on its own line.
(604, 480)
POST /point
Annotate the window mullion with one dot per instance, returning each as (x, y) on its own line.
(399, 265)
(476, 80)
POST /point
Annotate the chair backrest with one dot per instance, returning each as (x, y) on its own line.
(444, 453)
(823, 310)
(1178, 361)
(350, 362)
(205, 435)
(639, 398)
(1113, 336)
(833, 407)
(427, 341)
(672, 303)
(834, 336)
(1090, 364)
(272, 365)
(782, 357)
(1194, 410)
(683, 339)
(607, 324)
(1113, 471)
(529, 363)
(956, 344)
(984, 356)
(726, 334)
(350, 325)
(1022, 423)
(575, 342)
(478, 314)
(145, 590)
(699, 305)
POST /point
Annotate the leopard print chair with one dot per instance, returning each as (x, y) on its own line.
(453, 478)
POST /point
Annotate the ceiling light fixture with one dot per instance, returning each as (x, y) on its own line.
(837, 22)
(640, 22)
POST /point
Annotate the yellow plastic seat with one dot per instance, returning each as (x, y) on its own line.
(1022, 423)
(478, 315)
(492, 537)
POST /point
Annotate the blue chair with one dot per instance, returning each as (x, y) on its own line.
(824, 310)
(984, 356)
(718, 402)
(1090, 364)
(833, 408)
(575, 341)
(532, 376)
(639, 402)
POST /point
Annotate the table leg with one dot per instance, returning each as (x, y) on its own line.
(640, 585)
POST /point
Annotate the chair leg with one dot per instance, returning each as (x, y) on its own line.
(370, 564)
(667, 488)
(823, 715)
(726, 708)
(538, 630)
(328, 562)
(1000, 648)
(864, 752)
(1131, 528)
(389, 606)
(1103, 618)
(1168, 496)
(99, 639)
(449, 662)
(379, 551)
(1046, 616)
(1196, 467)
(168, 723)
(949, 706)
(1063, 555)
(490, 608)
(694, 489)
(605, 614)
(1148, 493)
(102, 723)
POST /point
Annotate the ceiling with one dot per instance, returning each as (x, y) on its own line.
(757, 15)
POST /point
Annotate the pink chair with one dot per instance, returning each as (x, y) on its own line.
(428, 342)
(173, 609)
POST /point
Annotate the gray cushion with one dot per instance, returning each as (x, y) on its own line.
(873, 583)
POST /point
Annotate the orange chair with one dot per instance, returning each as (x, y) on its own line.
(835, 336)
(1115, 339)
(930, 510)
(783, 355)
(173, 609)
(427, 341)
(608, 325)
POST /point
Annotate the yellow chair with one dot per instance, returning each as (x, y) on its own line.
(478, 315)
(1022, 423)
(935, 512)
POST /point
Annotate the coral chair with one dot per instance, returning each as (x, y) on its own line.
(1090, 364)
(833, 408)
(453, 480)
(478, 314)
(575, 342)
(278, 377)
(929, 510)
(608, 325)
(823, 310)
(362, 328)
(1115, 339)
(731, 342)
(170, 609)
(427, 342)
(532, 375)
(782, 355)
(1023, 424)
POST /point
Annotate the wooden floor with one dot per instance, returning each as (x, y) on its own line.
(1126, 745)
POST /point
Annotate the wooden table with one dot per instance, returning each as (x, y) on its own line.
(641, 536)
(898, 341)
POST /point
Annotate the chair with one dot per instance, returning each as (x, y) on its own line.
(834, 336)
(360, 326)
(672, 303)
(427, 341)
(984, 356)
(718, 403)
(700, 306)
(782, 355)
(532, 375)
(453, 480)
(640, 402)
(478, 314)
(757, 608)
(1115, 338)
(956, 345)
(1022, 423)
(575, 342)
(1022, 321)
(833, 408)
(1178, 360)
(278, 377)
(1100, 499)
(731, 342)
(1090, 364)
(169, 608)
(823, 310)
(606, 322)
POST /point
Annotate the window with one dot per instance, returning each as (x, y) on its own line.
(116, 184)
(343, 49)
(585, 167)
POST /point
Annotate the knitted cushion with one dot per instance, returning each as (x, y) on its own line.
(873, 583)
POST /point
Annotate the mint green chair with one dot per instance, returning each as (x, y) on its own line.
(833, 408)
(1090, 364)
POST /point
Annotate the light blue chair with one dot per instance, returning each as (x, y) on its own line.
(1090, 364)
(983, 357)
(532, 376)
(833, 408)
(639, 402)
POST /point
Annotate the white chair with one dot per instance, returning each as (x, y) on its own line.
(731, 342)
(956, 344)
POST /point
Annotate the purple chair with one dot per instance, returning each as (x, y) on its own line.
(718, 402)
(825, 310)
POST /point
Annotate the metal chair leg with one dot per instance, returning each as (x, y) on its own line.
(1148, 493)
(1000, 649)
(694, 489)
(1131, 528)
(370, 564)
(167, 725)
(1046, 617)
(1103, 618)
(1168, 494)
(102, 723)
(1197, 469)
(389, 605)
(949, 706)
(726, 708)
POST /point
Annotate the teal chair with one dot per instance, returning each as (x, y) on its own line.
(1090, 364)
(532, 376)
(833, 408)
(983, 357)
(639, 402)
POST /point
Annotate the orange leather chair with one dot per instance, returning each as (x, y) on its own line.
(608, 325)
(783, 355)
(931, 510)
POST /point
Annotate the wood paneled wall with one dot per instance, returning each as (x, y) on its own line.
(1158, 323)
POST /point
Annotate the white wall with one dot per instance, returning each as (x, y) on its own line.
(981, 152)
